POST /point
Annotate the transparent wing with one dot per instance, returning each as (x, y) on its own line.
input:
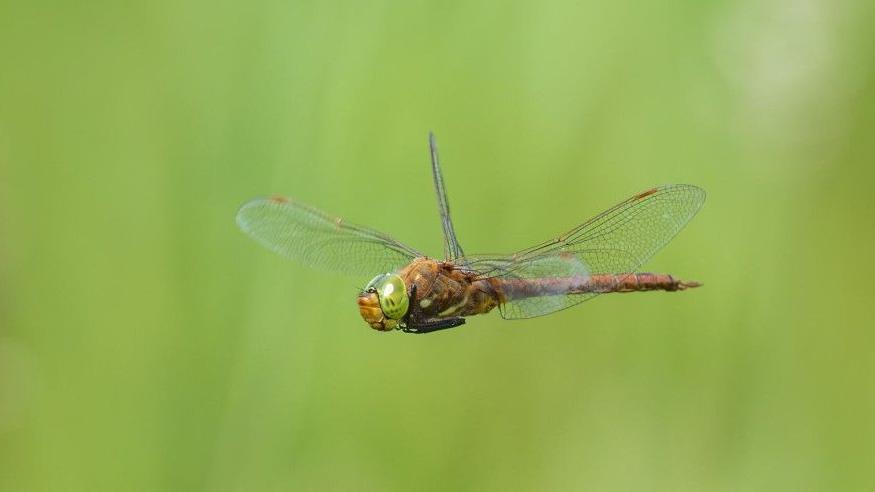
(452, 250)
(311, 237)
(617, 241)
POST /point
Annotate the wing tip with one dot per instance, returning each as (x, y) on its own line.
(241, 217)
(696, 194)
(685, 187)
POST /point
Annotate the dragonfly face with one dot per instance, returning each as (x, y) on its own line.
(601, 255)
(384, 302)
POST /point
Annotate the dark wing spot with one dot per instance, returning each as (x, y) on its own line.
(645, 194)
(279, 199)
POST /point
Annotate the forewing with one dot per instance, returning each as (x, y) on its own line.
(618, 241)
(313, 238)
(452, 250)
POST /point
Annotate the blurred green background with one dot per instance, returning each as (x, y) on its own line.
(147, 344)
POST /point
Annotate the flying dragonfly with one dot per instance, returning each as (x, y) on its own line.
(416, 294)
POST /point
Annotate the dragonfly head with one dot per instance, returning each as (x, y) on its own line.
(384, 302)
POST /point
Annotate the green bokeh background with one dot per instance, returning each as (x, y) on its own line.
(146, 344)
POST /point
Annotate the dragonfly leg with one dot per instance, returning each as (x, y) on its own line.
(430, 325)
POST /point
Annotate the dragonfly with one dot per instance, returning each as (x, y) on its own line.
(413, 293)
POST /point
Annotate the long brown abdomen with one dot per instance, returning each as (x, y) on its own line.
(513, 289)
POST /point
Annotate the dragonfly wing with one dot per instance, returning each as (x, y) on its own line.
(313, 238)
(533, 307)
(618, 241)
(452, 250)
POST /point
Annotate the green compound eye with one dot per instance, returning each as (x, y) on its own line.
(392, 294)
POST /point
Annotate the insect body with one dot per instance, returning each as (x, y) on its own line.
(439, 295)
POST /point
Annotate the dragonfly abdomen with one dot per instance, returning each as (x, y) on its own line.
(641, 282)
(514, 289)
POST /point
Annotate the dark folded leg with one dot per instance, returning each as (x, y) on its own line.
(430, 325)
